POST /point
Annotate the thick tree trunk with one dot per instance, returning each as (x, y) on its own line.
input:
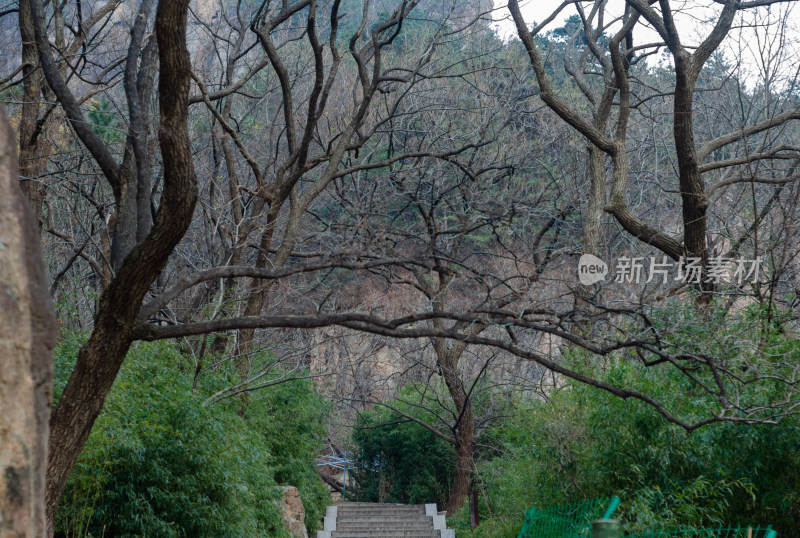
(100, 359)
(465, 445)
(593, 232)
(258, 290)
(594, 237)
(27, 337)
(124, 236)
(32, 152)
(464, 428)
(691, 181)
(693, 191)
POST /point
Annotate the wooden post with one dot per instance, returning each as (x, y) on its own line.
(473, 509)
(606, 528)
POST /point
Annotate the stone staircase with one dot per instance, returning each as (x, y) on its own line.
(380, 520)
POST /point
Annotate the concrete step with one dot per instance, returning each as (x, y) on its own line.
(378, 520)
(359, 503)
(383, 527)
(385, 534)
(404, 510)
(387, 506)
(384, 521)
(375, 520)
(366, 510)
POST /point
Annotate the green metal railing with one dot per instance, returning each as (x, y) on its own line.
(731, 532)
(567, 520)
(592, 519)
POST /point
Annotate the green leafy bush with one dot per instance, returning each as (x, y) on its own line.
(292, 418)
(160, 463)
(583, 442)
(402, 462)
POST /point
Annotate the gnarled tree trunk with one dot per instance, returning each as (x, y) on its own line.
(464, 427)
(102, 356)
(465, 446)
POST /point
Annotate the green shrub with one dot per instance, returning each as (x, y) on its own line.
(584, 442)
(160, 463)
(292, 418)
(402, 462)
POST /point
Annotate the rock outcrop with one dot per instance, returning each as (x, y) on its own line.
(293, 512)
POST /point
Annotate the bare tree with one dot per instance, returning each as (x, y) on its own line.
(39, 122)
(321, 143)
(310, 146)
(616, 60)
(136, 267)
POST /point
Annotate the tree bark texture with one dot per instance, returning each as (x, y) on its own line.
(27, 337)
(32, 151)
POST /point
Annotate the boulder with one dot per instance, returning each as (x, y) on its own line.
(293, 512)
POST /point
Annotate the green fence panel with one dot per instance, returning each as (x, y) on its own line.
(575, 521)
(730, 532)
(567, 520)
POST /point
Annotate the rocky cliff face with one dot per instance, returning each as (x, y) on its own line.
(460, 12)
(457, 12)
